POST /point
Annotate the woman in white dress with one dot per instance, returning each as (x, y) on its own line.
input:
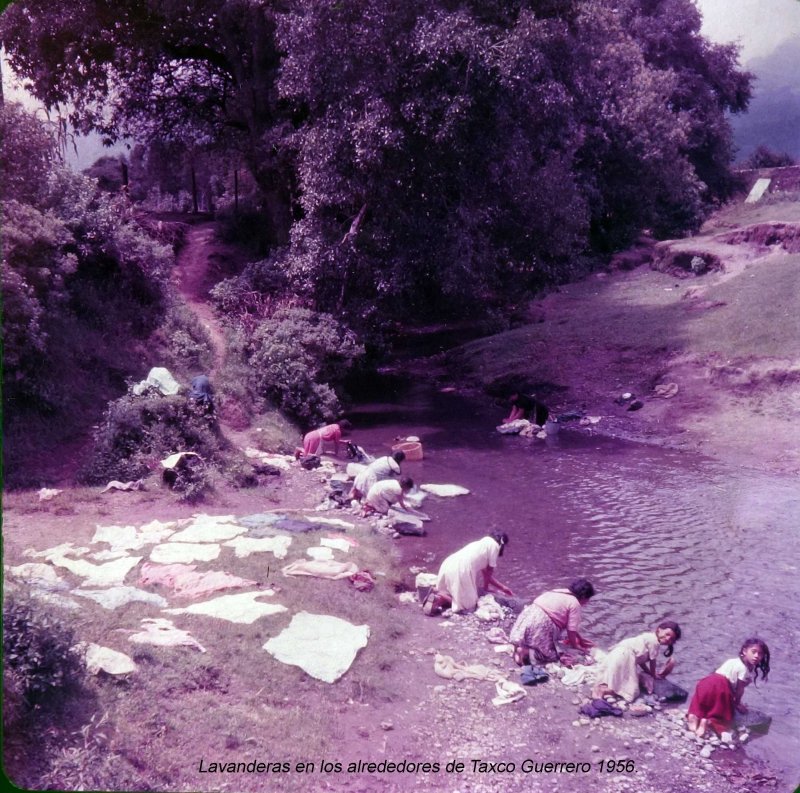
(466, 572)
(377, 470)
(619, 673)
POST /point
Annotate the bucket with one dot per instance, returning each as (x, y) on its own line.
(411, 449)
(551, 427)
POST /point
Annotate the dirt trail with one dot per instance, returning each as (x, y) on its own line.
(191, 277)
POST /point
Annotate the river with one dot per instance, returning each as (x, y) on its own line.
(661, 534)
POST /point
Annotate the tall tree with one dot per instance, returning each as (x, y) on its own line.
(200, 74)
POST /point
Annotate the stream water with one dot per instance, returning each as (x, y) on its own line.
(661, 534)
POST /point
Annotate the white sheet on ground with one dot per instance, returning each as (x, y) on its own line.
(170, 552)
(38, 574)
(99, 575)
(163, 633)
(281, 461)
(337, 543)
(132, 538)
(115, 484)
(320, 553)
(117, 596)
(320, 568)
(210, 528)
(446, 491)
(330, 522)
(104, 659)
(322, 646)
(241, 608)
(244, 546)
(57, 550)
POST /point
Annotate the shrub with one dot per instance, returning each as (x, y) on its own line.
(37, 652)
(298, 358)
(139, 431)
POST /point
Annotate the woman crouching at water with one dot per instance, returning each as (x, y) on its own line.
(619, 672)
(536, 632)
(718, 697)
(465, 572)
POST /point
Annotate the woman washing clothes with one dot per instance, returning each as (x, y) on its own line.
(466, 572)
(538, 628)
(377, 470)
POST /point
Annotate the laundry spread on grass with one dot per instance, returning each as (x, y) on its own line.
(320, 568)
(241, 608)
(66, 548)
(38, 574)
(170, 552)
(97, 575)
(184, 579)
(322, 646)
(116, 596)
(132, 538)
(278, 545)
(115, 484)
(210, 528)
(162, 633)
(104, 659)
(336, 543)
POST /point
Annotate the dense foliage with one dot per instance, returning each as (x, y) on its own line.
(37, 654)
(427, 157)
(137, 432)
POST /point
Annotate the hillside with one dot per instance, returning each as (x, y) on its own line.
(727, 335)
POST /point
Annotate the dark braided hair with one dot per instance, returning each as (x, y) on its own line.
(676, 629)
(501, 538)
(764, 663)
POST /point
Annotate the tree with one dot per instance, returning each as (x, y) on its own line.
(200, 74)
(764, 157)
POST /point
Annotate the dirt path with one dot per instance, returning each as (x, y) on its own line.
(191, 277)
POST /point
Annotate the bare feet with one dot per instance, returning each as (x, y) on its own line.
(701, 728)
(521, 656)
(691, 722)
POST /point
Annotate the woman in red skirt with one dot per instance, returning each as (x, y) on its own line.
(718, 696)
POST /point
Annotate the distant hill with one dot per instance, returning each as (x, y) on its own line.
(774, 115)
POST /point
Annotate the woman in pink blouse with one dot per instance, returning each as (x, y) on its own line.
(313, 442)
(539, 626)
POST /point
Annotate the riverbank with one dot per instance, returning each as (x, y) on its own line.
(236, 704)
(712, 355)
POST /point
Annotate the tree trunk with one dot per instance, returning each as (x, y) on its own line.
(195, 207)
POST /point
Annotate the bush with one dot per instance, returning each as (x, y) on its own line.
(37, 653)
(298, 358)
(139, 431)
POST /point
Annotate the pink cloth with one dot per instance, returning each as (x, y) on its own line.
(312, 441)
(562, 607)
(185, 581)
